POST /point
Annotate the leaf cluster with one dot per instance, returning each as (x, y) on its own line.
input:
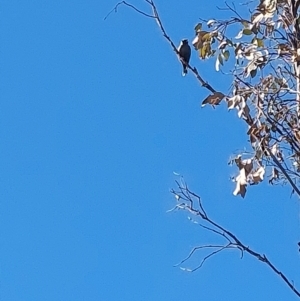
(265, 90)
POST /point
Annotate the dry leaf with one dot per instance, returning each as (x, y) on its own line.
(213, 99)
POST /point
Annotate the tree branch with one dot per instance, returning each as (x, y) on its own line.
(156, 16)
(183, 193)
(115, 9)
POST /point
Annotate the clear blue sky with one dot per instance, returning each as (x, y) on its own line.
(94, 119)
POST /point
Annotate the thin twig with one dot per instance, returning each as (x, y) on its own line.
(115, 9)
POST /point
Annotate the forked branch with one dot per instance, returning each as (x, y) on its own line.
(191, 202)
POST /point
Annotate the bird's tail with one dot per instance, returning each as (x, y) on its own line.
(184, 70)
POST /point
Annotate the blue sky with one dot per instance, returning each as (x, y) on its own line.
(94, 119)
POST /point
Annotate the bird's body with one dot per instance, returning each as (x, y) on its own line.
(184, 50)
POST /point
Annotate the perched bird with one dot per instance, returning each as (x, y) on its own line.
(184, 50)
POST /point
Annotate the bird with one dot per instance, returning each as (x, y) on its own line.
(184, 51)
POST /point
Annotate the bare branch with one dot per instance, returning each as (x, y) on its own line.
(218, 247)
(215, 228)
(115, 9)
(210, 255)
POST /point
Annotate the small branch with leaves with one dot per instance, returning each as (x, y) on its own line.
(268, 104)
(155, 15)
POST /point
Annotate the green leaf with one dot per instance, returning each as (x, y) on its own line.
(245, 23)
(201, 52)
(206, 37)
(198, 27)
(260, 42)
(247, 32)
(226, 55)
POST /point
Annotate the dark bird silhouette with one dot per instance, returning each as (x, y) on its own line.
(184, 50)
